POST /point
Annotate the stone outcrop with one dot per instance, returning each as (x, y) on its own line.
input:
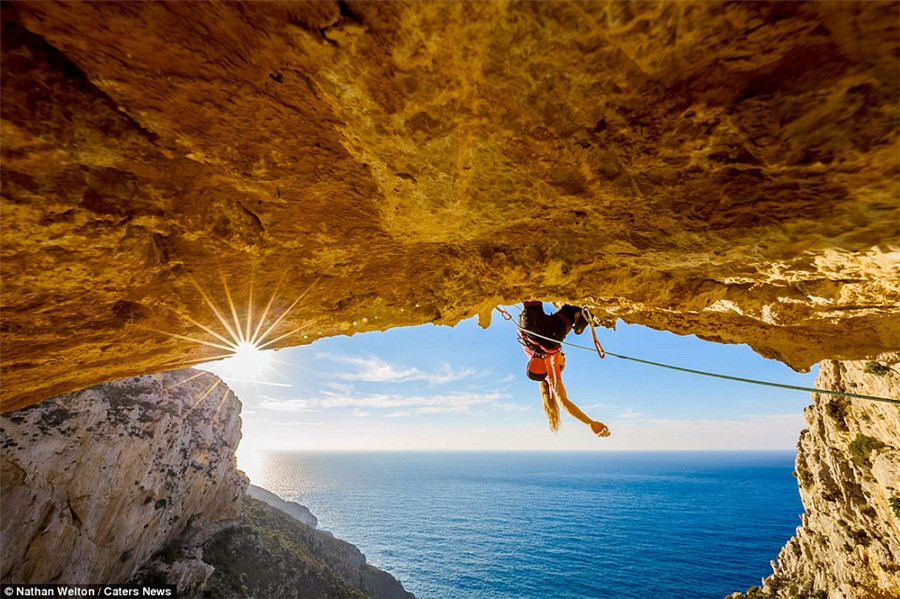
(291, 508)
(272, 554)
(137, 480)
(723, 169)
(848, 469)
(97, 481)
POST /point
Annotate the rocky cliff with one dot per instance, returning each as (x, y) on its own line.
(291, 508)
(96, 481)
(137, 480)
(848, 468)
(272, 554)
(726, 169)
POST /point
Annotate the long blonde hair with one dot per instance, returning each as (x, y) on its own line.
(551, 407)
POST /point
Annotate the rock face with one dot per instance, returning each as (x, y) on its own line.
(96, 481)
(273, 554)
(291, 508)
(137, 480)
(724, 169)
(848, 468)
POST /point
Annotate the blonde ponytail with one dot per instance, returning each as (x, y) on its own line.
(551, 407)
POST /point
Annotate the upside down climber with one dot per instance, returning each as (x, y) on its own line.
(546, 359)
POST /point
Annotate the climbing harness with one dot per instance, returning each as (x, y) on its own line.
(601, 352)
(543, 360)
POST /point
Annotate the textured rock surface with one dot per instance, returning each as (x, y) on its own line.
(291, 508)
(848, 468)
(729, 170)
(95, 482)
(137, 480)
(274, 555)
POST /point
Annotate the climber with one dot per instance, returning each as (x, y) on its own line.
(546, 359)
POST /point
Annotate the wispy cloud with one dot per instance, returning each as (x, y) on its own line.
(513, 407)
(629, 413)
(372, 369)
(597, 406)
(453, 402)
(287, 405)
(749, 432)
(339, 387)
(265, 423)
(398, 414)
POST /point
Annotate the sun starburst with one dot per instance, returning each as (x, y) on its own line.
(243, 341)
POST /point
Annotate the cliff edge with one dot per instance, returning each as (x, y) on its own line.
(848, 470)
(136, 480)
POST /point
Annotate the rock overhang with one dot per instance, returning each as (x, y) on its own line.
(727, 170)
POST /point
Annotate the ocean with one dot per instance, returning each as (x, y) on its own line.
(498, 525)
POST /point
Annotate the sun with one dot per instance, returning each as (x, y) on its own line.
(247, 362)
(242, 341)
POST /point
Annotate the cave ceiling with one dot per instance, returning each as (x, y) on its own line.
(730, 170)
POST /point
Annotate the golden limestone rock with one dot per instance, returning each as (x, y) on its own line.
(725, 169)
(95, 482)
(136, 480)
(848, 470)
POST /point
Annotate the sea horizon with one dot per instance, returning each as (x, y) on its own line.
(523, 451)
(479, 524)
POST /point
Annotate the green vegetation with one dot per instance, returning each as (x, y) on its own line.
(876, 369)
(272, 555)
(804, 475)
(895, 505)
(861, 447)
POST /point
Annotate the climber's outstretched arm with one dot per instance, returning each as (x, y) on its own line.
(597, 427)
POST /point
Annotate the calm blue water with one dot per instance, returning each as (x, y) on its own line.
(543, 525)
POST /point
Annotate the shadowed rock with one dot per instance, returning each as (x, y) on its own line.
(723, 169)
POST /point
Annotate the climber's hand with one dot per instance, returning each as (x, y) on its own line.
(599, 429)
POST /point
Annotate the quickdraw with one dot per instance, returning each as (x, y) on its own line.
(586, 314)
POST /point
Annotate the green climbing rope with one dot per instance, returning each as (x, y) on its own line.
(508, 316)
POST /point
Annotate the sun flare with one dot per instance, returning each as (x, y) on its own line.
(248, 361)
(244, 339)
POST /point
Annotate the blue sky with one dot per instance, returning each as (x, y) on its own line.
(460, 388)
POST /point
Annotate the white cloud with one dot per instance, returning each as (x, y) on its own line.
(398, 414)
(629, 413)
(751, 432)
(339, 387)
(452, 402)
(401, 430)
(286, 405)
(442, 409)
(597, 406)
(372, 369)
(512, 407)
(265, 423)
